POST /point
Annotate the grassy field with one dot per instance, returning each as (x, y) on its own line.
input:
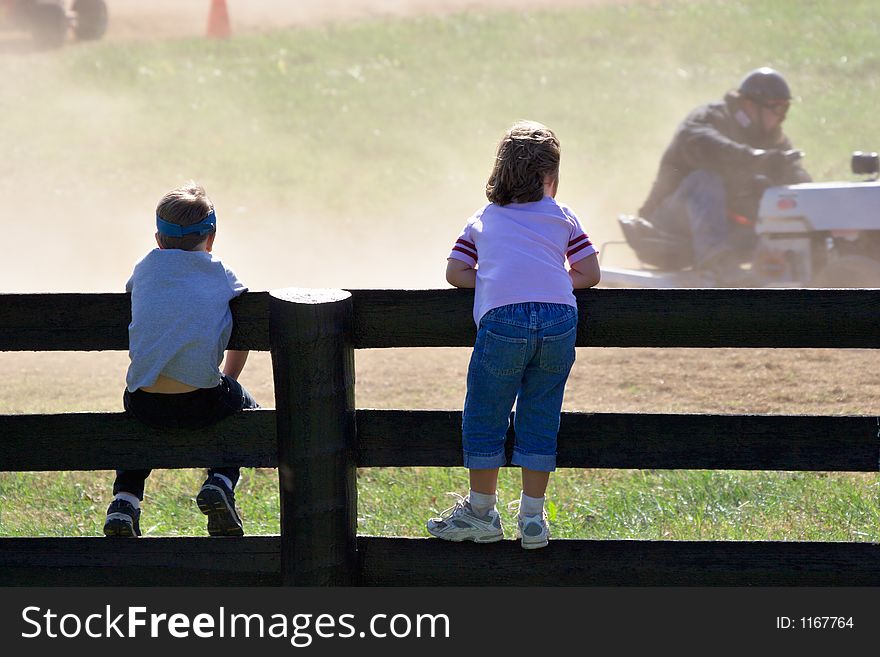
(352, 137)
(583, 503)
(675, 505)
(351, 156)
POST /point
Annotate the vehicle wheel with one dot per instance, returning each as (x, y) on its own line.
(849, 271)
(48, 22)
(91, 19)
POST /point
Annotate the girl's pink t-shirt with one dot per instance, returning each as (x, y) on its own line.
(519, 251)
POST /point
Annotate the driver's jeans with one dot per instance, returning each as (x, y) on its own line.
(698, 208)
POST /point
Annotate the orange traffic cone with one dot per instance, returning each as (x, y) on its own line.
(218, 20)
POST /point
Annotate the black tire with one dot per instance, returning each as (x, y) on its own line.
(48, 23)
(91, 19)
(849, 271)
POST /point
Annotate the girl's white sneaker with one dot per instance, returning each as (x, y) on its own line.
(461, 523)
(533, 531)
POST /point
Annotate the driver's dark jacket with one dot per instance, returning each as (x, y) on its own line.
(712, 138)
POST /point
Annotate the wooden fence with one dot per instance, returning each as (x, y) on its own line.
(317, 438)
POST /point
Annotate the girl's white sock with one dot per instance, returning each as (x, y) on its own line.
(482, 503)
(530, 506)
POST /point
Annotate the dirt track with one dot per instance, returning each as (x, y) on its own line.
(799, 381)
(137, 19)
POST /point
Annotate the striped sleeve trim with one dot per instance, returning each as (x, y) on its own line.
(578, 244)
(467, 248)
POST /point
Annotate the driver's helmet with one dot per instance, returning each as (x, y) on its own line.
(764, 85)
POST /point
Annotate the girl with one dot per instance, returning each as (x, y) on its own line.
(526, 315)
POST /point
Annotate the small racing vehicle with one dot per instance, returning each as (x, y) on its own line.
(818, 234)
(50, 21)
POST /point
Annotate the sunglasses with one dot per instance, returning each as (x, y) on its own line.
(778, 107)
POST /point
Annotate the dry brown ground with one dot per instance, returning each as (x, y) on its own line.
(137, 19)
(801, 381)
(683, 380)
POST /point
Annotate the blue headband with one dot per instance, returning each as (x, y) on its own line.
(168, 229)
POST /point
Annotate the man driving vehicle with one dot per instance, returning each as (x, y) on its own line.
(723, 156)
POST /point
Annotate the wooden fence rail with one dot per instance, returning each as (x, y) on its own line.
(393, 438)
(837, 319)
(317, 439)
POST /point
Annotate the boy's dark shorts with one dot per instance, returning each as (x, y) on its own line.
(189, 410)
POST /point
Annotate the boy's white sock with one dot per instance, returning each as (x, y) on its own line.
(128, 497)
(530, 506)
(482, 503)
(226, 480)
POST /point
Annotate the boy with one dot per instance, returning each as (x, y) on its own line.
(180, 325)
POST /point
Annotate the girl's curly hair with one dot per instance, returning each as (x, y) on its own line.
(526, 154)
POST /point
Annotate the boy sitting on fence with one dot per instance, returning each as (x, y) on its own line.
(527, 317)
(180, 325)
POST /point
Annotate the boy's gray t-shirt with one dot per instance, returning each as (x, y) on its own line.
(180, 317)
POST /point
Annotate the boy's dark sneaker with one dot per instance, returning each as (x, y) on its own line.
(122, 520)
(217, 501)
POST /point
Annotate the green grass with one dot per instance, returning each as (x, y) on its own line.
(637, 504)
(599, 504)
(377, 129)
(368, 118)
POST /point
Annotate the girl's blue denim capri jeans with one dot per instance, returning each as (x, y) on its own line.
(523, 354)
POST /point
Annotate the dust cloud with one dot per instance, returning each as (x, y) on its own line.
(136, 19)
(71, 225)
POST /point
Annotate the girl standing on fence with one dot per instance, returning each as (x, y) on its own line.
(526, 315)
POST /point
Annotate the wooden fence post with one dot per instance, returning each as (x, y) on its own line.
(310, 336)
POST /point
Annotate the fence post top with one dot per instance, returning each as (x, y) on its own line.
(307, 295)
